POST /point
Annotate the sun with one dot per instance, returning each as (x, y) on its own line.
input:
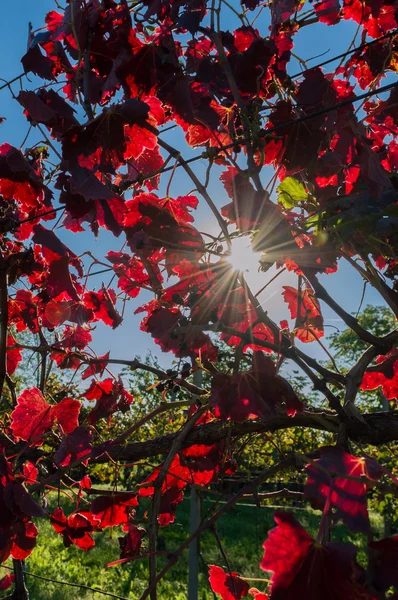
(241, 256)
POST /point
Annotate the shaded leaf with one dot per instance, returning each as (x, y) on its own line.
(74, 446)
(327, 484)
(302, 568)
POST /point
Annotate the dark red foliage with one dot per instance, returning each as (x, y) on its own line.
(153, 223)
(19, 181)
(102, 304)
(30, 473)
(77, 337)
(96, 368)
(107, 133)
(75, 529)
(200, 464)
(327, 487)
(110, 396)
(302, 568)
(304, 308)
(59, 280)
(234, 397)
(204, 463)
(56, 313)
(328, 11)
(384, 375)
(228, 585)
(7, 581)
(370, 62)
(50, 241)
(163, 325)
(113, 509)
(47, 107)
(216, 297)
(131, 271)
(248, 208)
(253, 393)
(86, 198)
(18, 540)
(23, 311)
(74, 446)
(33, 416)
(18, 500)
(147, 163)
(172, 494)
(376, 18)
(17, 507)
(130, 544)
(14, 355)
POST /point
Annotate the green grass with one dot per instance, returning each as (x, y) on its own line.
(242, 532)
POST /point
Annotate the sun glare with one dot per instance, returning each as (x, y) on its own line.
(242, 258)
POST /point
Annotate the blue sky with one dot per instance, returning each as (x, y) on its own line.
(127, 341)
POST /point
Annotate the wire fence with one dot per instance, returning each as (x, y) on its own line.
(96, 590)
(261, 506)
(70, 584)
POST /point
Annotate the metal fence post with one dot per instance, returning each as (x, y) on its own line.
(194, 522)
(193, 573)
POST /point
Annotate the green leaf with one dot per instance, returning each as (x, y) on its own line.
(291, 192)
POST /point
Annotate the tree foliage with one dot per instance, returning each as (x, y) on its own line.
(113, 77)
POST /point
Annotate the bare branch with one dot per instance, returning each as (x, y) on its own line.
(153, 525)
(348, 319)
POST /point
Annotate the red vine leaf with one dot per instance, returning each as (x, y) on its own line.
(102, 304)
(75, 529)
(7, 581)
(326, 484)
(253, 393)
(114, 509)
(33, 416)
(229, 585)
(18, 541)
(96, 368)
(384, 375)
(30, 473)
(38, 64)
(130, 544)
(309, 321)
(59, 280)
(257, 595)
(14, 356)
(111, 397)
(48, 239)
(302, 568)
(74, 446)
